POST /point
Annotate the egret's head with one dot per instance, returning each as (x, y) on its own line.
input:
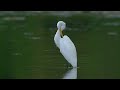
(61, 25)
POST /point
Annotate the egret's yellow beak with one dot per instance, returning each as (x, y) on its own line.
(61, 33)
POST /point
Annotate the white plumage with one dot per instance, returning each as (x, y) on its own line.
(66, 46)
(68, 50)
(57, 38)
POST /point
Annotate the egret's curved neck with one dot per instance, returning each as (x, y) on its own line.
(60, 32)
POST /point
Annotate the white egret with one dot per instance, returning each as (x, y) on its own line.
(66, 46)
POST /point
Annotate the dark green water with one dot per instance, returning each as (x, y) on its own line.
(27, 48)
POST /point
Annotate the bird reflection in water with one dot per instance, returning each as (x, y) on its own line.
(71, 74)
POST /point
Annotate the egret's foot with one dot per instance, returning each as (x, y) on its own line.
(70, 67)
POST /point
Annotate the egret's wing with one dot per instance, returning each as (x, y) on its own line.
(68, 50)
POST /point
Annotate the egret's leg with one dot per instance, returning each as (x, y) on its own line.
(68, 65)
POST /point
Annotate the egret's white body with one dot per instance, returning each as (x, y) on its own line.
(66, 46)
(57, 38)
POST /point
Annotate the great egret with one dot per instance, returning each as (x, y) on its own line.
(66, 46)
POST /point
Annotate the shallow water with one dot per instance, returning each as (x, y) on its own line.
(28, 49)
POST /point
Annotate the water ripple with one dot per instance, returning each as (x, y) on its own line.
(14, 18)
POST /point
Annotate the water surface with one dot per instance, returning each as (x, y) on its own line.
(28, 49)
